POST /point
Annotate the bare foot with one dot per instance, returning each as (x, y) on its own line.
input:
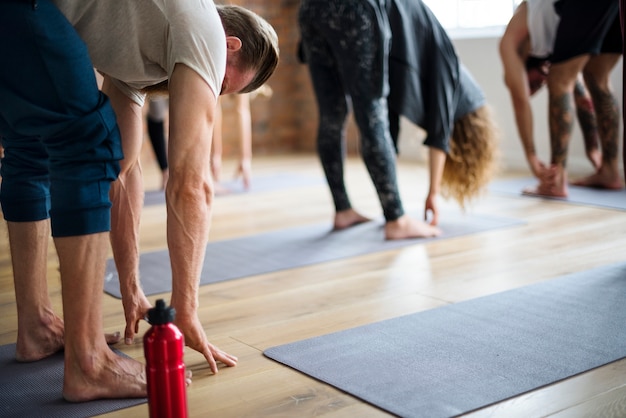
(601, 180)
(406, 227)
(347, 218)
(103, 375)
(553, 184)
(36, 342)
(41, 340)
(545, 190)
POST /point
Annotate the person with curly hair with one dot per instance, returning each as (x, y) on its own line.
(345, 45)
(394, 58)
(431, 87)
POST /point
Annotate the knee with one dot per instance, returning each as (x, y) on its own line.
(596, 81)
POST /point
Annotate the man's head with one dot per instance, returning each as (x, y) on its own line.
(252, 49)
(537, 71)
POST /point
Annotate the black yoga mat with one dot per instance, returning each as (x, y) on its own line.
(261, 183)
(291, 248)
(35, 390)
(455, 359)
(610, 199)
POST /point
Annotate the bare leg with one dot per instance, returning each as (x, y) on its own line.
(92, 369)
(561, 82)
(588, 124)
(39, 329)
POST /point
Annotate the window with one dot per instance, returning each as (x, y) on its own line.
(472, 14)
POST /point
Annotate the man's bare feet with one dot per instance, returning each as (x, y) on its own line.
(102, 375)
(37, 343)
(406, 227)
(601, 179)
(41, 340)
(347, 218)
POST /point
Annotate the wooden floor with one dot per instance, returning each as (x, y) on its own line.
(248, 315)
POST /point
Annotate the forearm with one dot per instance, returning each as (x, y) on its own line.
(189, 189)
(217, 131)
(244, 126)
(524, 124)
(127, 191)
(188, 223)
(436, 164)
(127, 201)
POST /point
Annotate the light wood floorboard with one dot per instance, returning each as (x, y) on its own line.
(248, 315)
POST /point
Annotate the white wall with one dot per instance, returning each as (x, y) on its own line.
(480, 55)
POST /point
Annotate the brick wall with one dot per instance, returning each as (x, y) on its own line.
(287, 121)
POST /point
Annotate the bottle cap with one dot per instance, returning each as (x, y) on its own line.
(161, 314)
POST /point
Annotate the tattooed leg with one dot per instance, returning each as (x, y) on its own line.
(588, 123)
(561, 81)
(597, 71)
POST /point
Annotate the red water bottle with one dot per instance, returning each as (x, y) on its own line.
(163, 346)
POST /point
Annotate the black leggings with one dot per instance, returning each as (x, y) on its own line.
(341, 42)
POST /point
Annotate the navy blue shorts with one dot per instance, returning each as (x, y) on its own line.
(61, 142)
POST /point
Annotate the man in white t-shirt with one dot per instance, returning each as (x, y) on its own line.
(63, 150)
(184, 44)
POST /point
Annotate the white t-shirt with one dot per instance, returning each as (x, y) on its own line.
(542, 25)
(138, 42)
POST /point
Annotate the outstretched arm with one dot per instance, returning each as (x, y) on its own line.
(216, 158)
(512, 45)
(127, 203)
(244, 131)
(189, 195)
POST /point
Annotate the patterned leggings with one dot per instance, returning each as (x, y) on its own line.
(341, 45)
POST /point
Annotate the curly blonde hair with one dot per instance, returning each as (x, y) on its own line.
(473, 159)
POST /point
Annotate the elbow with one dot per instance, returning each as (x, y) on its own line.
(190, 191)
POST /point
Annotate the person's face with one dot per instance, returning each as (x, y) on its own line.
(235, 79)
(537, 78)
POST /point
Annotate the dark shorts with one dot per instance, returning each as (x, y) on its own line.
(62, 144)
(586, 27)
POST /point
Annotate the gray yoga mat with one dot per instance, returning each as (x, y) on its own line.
(35, 390)
(612, 199)
(455, 359)
(261, 183)
(291, 248)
